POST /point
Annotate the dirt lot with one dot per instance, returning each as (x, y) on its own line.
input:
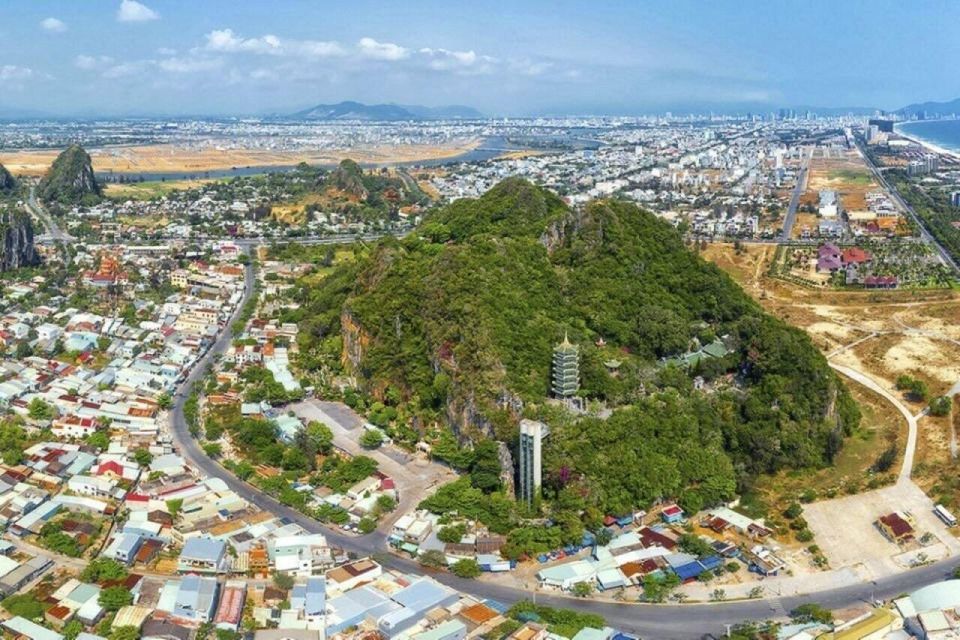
(856, 540)
(847, 175)
(169, 158)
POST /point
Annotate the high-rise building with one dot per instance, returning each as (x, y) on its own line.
(883, 124)
(565, 378)
(532, 434)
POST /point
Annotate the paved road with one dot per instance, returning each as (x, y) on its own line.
(55, 233)
(791, 218)
(648, 621)
(905, 206)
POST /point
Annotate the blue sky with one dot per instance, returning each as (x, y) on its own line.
(107, 57)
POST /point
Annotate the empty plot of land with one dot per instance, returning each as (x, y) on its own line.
(846, 533)
(848, 175)
(170, 158)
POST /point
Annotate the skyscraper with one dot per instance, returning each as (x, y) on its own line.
(565, 379)
(532, 434)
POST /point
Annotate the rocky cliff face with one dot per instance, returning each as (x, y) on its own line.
(16, 234)
(7, 182)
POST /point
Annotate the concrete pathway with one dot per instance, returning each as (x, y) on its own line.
(907, 467)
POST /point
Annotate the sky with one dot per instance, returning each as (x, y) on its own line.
(520, 57)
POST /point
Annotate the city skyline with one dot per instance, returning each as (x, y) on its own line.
(172, 58)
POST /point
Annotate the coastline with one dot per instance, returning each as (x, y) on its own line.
(923, 142)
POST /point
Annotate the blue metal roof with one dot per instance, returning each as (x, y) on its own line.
(688, 571)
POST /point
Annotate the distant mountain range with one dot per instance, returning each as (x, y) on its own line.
(385, 112)
(953, 106)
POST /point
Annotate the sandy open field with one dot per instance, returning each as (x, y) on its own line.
(882, 334)
(167, 158)
(848, 175)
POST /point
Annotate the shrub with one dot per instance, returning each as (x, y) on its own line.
(433, 558)
(466, 568)
(940, 406)
(793, 511)
(811, 613)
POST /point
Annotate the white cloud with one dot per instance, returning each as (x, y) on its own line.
(226, 41)
(12, 73)
(530, 67)
(133, 11)
(89, 63)
(370, 48)
(464, 62)
(166, 51)
(189, 65)
(126, 69)
(53, 25)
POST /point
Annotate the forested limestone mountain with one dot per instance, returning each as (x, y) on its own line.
(7, 182)
(70, 179)
(456, 324)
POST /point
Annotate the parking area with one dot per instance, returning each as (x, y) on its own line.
(416, 476)
(846, 533)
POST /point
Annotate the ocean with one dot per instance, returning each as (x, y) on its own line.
(942, 133)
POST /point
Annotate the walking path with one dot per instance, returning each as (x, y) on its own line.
(907, 467)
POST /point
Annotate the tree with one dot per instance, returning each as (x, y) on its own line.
(174, 506)
(793, 511)
(656, 589)
(321, 436)
(283, 581)
(367, 525)
(164, 401)
(603, 537)
(386, 503)
(466, 568)
(811, 612)
(452, 533)
(886, 459)
(40, 410)
(143, 457)
(24, 605)
(582, 589)
(485, 469)
(72, 629)
(103, 569)
(433, 558)
(371, 439)
(24, 350)
(213, 449)
(115, 598)
(125, 633)
(940, 406)
(99, 440)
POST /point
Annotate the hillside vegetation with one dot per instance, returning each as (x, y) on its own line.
(456, 325)
(70, 179)
(366, 195)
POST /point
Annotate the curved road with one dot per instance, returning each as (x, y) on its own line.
(648, 621)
